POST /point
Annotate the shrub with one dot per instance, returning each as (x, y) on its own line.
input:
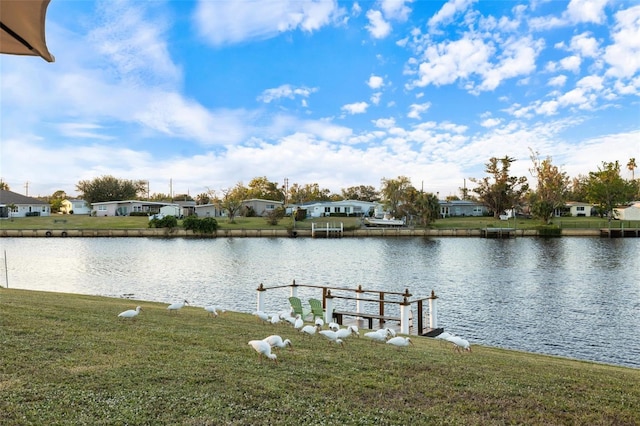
(549, 231)
(274, 216)
(205, 225)
(166, 222)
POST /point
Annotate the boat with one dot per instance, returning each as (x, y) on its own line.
(383, 222)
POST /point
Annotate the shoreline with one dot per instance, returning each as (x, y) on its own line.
(279, 233)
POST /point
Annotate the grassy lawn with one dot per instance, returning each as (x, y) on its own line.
(136, 222)
(67, 359)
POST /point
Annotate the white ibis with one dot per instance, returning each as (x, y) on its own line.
(377, 336)
(331, 335)
(131, 313)
(276, 341)
(399, 341)
(460, 344)
(262, 316)
(213, 310)
(319, 322)
(275, 319)
(175, 307)
(309, 329)
(299, 323)
(334, 326)
(343, 333)
(264, 349)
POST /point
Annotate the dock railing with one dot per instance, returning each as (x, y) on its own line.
(369, 304)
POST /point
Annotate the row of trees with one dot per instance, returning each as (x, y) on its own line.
(498, 191)
(605, 188)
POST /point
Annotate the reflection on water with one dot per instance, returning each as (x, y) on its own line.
(574, 297)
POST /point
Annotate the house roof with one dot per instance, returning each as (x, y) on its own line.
(9, 197)
(145, 203)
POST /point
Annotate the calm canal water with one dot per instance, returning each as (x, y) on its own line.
(572, 297)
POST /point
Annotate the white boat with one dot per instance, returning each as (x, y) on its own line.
(383, 222)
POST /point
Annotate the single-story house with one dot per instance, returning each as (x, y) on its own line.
(577, 209)
(75, 206)
(344, 207)
(126, 207)
(628, 212)
(208, 210)
(461, 208)
(187, 207)
(13, 204)
(259, 207)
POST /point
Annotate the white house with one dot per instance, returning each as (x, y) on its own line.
(629, 212)
(126, 207)
(75, 206)
(259, 207)
(461, 208)
(13, 204)
(208, 210)
(344, 207)
(579, 209)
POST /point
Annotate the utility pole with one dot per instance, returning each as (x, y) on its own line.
(26, 188)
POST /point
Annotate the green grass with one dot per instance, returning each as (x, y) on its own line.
(136, 222)
(67, 359)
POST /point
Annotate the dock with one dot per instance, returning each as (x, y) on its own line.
(327, 230)
(620, 233)
(498, 232)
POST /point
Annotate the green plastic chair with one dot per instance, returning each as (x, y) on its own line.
(316, 308)
(296, 305)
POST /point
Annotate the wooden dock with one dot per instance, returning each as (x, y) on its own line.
(327, 230)
(620, 233)
(498, 232)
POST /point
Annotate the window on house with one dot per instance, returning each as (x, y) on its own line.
(337, 209)
(347, 210)
(327, 209)
(270, 207)
(102, 208)
(580, 208)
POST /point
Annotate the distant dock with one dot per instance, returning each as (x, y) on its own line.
(498, 232)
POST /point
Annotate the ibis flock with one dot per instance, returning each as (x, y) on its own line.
(334, 334)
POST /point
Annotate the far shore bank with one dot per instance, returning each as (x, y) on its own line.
(280, 233)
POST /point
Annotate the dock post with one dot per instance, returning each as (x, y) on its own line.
(359, 302)
(261, 293)
(433, 310)
(405, 308)
(328, 312)
(294, 289)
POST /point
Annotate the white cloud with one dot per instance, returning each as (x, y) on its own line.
(518, 58)
(355, 108)
(378, 27)
(384, 123)
(585, 45)
(448, 61)
(229, 22)
(285, 91)
(449, 11)
(578, 11)
(415, 110)
(375, 82)
(557, 81)
(375, 98)
(586, 11)
(571, 63)
(82, 130)
(623, 56)
(395, 9)
(490, 122)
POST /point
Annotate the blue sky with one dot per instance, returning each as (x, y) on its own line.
(207, 94)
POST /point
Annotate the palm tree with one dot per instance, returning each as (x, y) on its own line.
(631, 165)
